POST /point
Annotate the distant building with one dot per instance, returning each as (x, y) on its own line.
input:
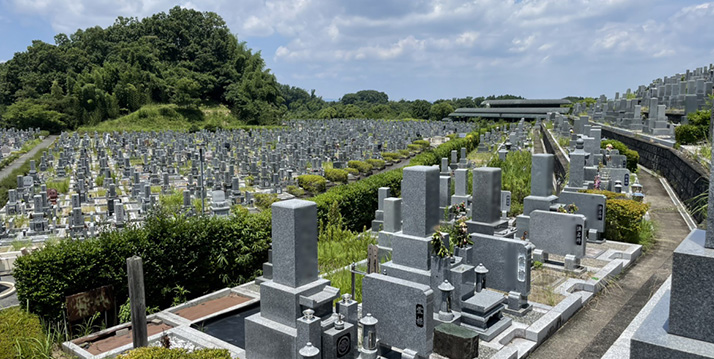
(513, 109)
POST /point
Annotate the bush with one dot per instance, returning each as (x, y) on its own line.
(633, 157)
(164, 353)
(201, 254)
(390, 156)
(352, 171)
(608, 194)
(376, 163)
(362, 167)
(17, 324)
(423, 143)
(623, 220)
(689, 134)
(515, 177)
(414, 148)
(404, 153)
(296, 191)
(264, 200)
(312, 183)
(336, 175)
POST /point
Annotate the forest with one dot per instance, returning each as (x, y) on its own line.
(185, 58)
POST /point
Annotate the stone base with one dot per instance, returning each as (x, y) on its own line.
(519, 312)
(492, 331)
(652, 341)
(455, 342)
(486, 228)
(595, 237)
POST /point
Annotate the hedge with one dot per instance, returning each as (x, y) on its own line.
(623, 218)
(313, 183)
(178, 353)
(689, 134)
(633, 157)
(362, 167)
(336, 175)
(202, 254)
(376, 163)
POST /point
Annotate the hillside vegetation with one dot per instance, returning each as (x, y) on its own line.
(183, 57)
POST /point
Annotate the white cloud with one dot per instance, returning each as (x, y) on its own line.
(454, 47)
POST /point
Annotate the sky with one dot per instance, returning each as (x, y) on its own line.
(415, 49)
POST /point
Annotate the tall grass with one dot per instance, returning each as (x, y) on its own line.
(515, 177)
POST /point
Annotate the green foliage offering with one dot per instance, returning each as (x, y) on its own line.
(312, 183)
(183, 57)
(362, 167)
(376, 163)
(18, 328)
(633, 157)
(515, 177)
(264, 200)
(623, 220)
(296, 191)
(178, 353)
(336, 175)
(201, 254)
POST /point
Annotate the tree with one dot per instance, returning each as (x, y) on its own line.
(440, 110)
(29, 114)
(421, 109)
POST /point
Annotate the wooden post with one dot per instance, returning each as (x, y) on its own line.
(135, 270)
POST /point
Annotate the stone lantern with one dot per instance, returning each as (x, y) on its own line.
(369, 337)
(481, 272)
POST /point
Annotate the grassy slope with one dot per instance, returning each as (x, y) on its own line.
(168, 117)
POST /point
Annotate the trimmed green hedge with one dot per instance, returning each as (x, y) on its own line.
(201, 254)
(689, 134)
(313, 183)
(633, 157)
(362, 167)
(623, 218)
(336, 175)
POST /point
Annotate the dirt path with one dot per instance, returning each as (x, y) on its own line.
(595, 328)
(18, 162)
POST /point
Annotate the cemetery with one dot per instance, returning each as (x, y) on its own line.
(256, 220)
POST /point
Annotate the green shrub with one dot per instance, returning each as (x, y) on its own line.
(633, 157)
(312, 183)
(99, 181)
(689, 134)
(376, 163)
(607, 194)
(362, 167)
(264, 200)
(414, 148)
(201, 254)
(17, 326)
(352, 171)
(178, 353)
(623, 220)
(296, 191)
(404, 153)
(390, 156)
(62, 186)
(423, 143)
(336, 175)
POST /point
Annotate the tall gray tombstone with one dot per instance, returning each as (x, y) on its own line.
(135, 271)
(382, 194)
(420, 192)
(461, 177)
(542, 175)
(486, 201)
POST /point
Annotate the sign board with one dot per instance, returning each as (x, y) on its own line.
(86, 304)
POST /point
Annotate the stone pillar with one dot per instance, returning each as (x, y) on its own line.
(420, 193)
(294, 242)
(542, 175)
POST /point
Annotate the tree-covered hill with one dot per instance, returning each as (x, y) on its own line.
(183, 57)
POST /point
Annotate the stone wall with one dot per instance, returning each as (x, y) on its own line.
(562, 164)
(687, 177)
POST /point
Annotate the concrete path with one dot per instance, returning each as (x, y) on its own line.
(18, 162)
(595, 328)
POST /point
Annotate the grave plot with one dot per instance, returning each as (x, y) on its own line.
(93, 182)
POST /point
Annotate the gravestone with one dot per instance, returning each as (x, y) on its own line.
(486, 201)
(558, 233)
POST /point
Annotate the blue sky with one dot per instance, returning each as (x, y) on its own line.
(427, 49)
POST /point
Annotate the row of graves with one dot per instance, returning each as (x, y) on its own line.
(112, 179)
(425, 294)
(679, 94)
(12, 139)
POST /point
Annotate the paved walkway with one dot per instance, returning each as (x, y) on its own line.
(595, 328)
(18, 162)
